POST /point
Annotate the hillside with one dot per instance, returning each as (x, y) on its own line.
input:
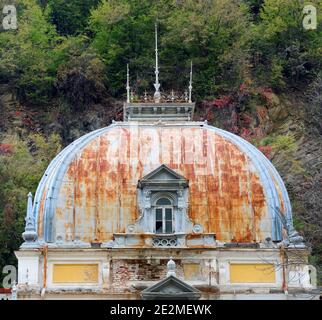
(257, 73)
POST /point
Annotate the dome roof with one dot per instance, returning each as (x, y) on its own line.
(89, 191)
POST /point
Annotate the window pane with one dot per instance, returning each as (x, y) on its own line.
(163, 202)
(158, 216)
(168, 226)
(158, 227)
(168, 214)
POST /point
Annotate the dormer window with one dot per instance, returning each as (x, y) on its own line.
(163, 216)
(163, 204)
(163, 212)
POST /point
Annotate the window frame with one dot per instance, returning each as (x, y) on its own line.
(164, 220)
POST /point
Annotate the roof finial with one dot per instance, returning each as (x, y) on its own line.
(171, 266)
(157, 94)
(30, 235)
(190, 84)
(128, 84)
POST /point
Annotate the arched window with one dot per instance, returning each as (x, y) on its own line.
(163, 216)
(163, 202)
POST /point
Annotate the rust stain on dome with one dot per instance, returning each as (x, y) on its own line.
(98, 195)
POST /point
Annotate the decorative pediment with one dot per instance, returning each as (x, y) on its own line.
(165, 185)
(171, 288)
(163, 175)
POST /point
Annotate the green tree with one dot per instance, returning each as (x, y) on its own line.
(70, 17)
(214, 34)
(81, 81)
(255, 7)
(28, 55)
(283, 44)
(21, 167)
(124, 34)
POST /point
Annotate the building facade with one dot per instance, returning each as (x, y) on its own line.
(116, 204)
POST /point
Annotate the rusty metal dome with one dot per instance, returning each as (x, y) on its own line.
(89, 190)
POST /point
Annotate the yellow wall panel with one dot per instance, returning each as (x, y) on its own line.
(248, 273)
(191, 271)
(75, 273)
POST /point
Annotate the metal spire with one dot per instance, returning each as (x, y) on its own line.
(128, 84)
(157, 95)
(190, 84)
(30, 234)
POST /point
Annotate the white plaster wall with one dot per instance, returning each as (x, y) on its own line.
(28, 267)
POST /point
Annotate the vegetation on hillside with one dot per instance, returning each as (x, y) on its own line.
(69, 57)
(22, 163)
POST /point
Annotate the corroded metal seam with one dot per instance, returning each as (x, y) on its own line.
(265, 169)
(52, 179)
(50, 169)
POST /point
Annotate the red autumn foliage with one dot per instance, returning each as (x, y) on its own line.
(246, 133)
(266, 93)
(222, 102)
(266, 150)
(207, 104)
(242, 87)
(261, 113)
(5, 149)
(234, 129)
(210, 117)
(246, 119)
(27, 122)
